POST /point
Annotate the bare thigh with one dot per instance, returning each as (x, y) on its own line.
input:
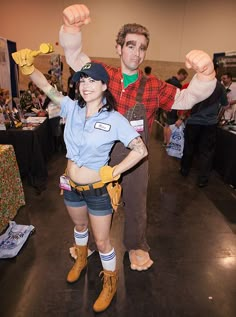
(79, 216)
(101, 230)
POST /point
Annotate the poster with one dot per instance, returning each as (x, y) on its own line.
(5, 78)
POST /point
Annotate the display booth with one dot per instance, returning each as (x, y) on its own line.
(225, 62)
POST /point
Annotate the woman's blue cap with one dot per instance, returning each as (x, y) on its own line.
(93, 70)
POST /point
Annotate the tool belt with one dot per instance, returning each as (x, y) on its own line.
(94, 189)
(114, 190)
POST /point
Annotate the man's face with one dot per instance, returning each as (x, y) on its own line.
(182, 77)
(225, 80)
(132, 53)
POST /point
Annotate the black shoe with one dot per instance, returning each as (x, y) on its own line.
(183, 172)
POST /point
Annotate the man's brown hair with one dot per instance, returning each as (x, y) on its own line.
(182, 71)
(131, 28)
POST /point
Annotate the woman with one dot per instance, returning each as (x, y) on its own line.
(92, 127)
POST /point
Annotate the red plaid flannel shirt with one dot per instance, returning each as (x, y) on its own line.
(156, 93)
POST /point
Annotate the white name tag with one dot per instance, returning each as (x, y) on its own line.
(102, 126)
(138, 125)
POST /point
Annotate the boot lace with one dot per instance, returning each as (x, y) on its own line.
(107, 284)
(79, 263)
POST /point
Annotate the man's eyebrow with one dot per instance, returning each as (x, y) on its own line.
(143, 46)
(130, 43)
(134, 43)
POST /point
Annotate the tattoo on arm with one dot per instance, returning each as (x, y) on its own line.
(137, 145)
(54, 95)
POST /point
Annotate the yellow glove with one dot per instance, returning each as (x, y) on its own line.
(106, 172)
(25, 57)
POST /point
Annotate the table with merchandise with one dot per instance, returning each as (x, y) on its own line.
(32, 145)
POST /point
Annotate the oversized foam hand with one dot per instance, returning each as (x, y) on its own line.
(25, 60)
(25, 57)
(201, 63)
(75, 16)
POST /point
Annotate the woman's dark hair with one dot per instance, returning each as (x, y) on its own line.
(110, 103)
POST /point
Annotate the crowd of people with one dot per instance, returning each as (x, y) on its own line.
(114, 110)
(200, 125)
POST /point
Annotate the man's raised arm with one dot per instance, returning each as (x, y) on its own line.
(203, 83)
(74, 17)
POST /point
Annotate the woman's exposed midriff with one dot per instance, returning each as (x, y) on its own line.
(81, 175)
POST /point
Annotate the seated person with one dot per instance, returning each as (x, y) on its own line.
(29, 99)
(230, 88)
(4, 96)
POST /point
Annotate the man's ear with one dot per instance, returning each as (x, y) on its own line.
(118, 49)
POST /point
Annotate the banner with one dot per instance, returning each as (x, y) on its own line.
(5, 77)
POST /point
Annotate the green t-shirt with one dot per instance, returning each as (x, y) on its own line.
(129, 79)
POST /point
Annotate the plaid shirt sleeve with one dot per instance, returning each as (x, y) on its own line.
(166, 95)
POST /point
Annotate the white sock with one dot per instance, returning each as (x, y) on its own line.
(81, 238)
(108, 260)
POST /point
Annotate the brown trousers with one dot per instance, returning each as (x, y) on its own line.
(134, 196)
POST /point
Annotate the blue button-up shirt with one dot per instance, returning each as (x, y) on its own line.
(89, 141)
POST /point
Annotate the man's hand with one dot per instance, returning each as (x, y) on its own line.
(25, 59)
(75, 16)
(201, 63)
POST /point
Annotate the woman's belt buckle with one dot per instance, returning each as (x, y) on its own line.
(82, 188)
(87, 188)
(98, 191)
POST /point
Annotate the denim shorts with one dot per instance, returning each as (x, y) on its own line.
(97, 205)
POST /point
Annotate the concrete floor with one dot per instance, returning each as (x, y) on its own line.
(191, 233)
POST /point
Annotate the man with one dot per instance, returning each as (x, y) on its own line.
(29, 98)
(172, 116)
(200, 134)
(137, 98)
(230, 86)
(177, 80)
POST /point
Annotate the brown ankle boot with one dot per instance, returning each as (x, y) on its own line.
(110, 280)
(80, 263)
